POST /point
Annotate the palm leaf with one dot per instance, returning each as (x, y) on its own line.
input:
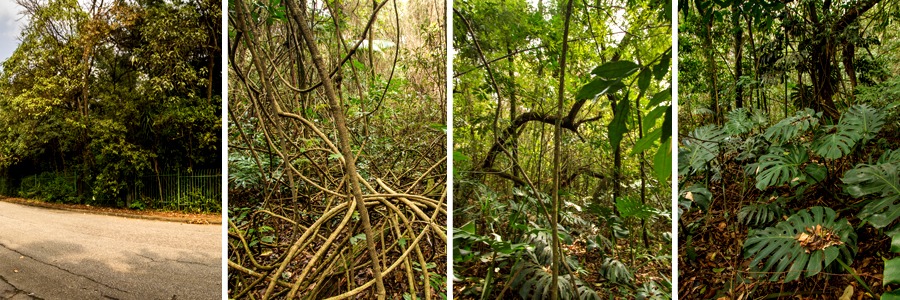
(809, 241)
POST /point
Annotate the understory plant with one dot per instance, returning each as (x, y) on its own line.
(787, 162)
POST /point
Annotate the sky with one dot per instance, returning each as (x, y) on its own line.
(10, 26)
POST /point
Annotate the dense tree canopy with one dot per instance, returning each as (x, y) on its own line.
(111, 90)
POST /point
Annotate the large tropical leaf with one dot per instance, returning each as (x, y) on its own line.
(836, 145)
(880, 181)
(615, 271)
(760, 214)
(695, 194)
(862, 120)
(775, 169)
(807, 242)
(791, 127)
(698, 148)
(535, 281)
(738, 122)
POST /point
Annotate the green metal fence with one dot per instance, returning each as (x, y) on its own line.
(194, 191)
(199, 190)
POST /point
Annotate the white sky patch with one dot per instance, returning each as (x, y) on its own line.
(11, 23)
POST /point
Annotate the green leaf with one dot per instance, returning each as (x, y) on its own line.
(616, 69)
(438, 127)
(632, 207)
(335, 156)
(598, 87)
(662, 161)
(459, 156)
(775, 169)
(667, 124)
(618, 126)
(891, 271)
(882, 181)
(356, 238)
(892, 295)
(659, 97)
(651, 117)
(644, 79)
(660, 69)
(835, 145)
(779, 248)
(646, 142)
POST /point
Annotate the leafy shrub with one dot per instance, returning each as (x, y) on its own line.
(49, 186)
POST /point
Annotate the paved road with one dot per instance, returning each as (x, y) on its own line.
(53, 254)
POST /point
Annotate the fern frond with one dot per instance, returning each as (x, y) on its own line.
(809, 241)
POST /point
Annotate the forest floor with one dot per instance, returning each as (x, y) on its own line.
(159, 215)
(712, 264)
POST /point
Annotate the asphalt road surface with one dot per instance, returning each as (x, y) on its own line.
(54, 254)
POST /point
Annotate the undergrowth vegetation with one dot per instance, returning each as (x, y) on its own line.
(789, 153)
(337, 158)
(562, 152)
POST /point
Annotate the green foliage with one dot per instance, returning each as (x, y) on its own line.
(615, 271)
(113, 94)
(780, 167)
(761, 214)
(806, 242)
(698, 148)
(696, 195)
(533, 282)
(892, 269)
(50, 187)
(632, 207)
(790, 128)
(880, 182)
(739, 122)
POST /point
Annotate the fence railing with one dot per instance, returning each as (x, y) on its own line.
(195, 191)
(200, 190)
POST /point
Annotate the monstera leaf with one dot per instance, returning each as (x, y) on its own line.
(775, 169)
(698, 148)
(789, 128)
(892, 270)
(615, 271)
(808, 241)
(836, 145)
(535, 281)
(759, 214)
(739, 122)
(862, 120)
(882, 182)
(695, 194)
